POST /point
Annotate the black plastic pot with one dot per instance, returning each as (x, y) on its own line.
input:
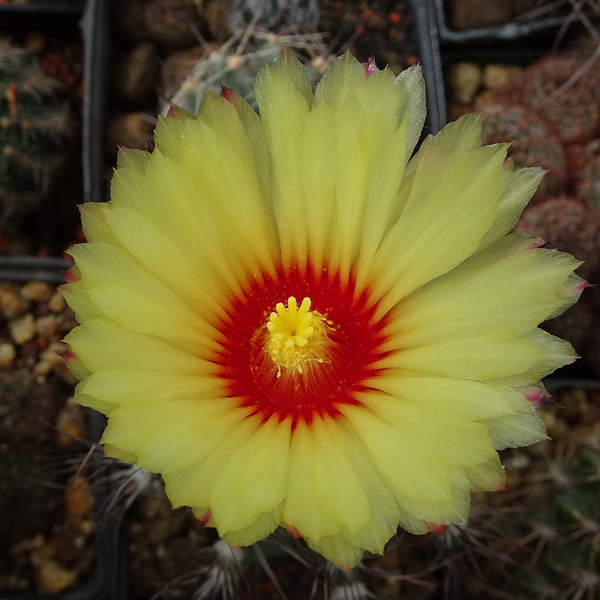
(429, 54)
(55, 17)
(96, 40)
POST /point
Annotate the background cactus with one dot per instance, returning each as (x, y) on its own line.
(569, 104)
(33, 131)
(235, 69)
(561, 527)
(534, 142)
(569, 225)
(589, 185)
(275, 15)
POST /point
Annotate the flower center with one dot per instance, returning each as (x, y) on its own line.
(302, 360)
(297, 336)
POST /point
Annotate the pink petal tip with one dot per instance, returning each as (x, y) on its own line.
(70, 276)
(538, 243)
(227, 93)
(293, 531)
(538, 396)
(583, 285)
(205, 518)
(370, 67)
(439, 528)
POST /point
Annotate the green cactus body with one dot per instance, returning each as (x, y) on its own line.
(569, 103)
(534, 142)
(32, 132)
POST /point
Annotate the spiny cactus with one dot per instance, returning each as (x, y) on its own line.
(32, 132)
(569, 225)
(570, 105)
(589, 186)
(275, 15)
(534, 142)
(562, 535)
(237, 69)
(540, 539)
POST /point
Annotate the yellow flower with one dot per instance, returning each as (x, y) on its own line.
(297, 325)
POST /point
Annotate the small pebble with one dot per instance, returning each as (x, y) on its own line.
(52, 578)
(519, 462)
(37, 291)
(22, 328)
(46, 326)
(8, 354)
(57, 302)
(42, 368)
(465, 81)
(12, 305)
(70, 424)
(79, 499)
(496, 76)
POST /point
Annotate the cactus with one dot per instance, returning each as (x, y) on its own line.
(540, 539)
(32, 132)
(569, 104)
(589, 186)
(534, 142)
(237, 69)
(562, 535)
(569, 225)
(173, 23)
(275, 15)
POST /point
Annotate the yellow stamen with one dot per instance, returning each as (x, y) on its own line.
(295, 335)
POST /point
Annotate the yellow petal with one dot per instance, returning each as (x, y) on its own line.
(102, 344)
(336, 549)
(264, 525)
(79, 300)
(457, 397)
(131, 388)
(456, 442)
(416, 473)
(137, 300)
(286, 84)
(162, 256)
(480, 358)
(553, 354)
(448, 207)
(254, 481)
(324, 492)
(192, 486)
(519, 187)
(174, 435)
(507, 295)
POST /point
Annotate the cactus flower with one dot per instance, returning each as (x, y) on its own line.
(299, 325)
